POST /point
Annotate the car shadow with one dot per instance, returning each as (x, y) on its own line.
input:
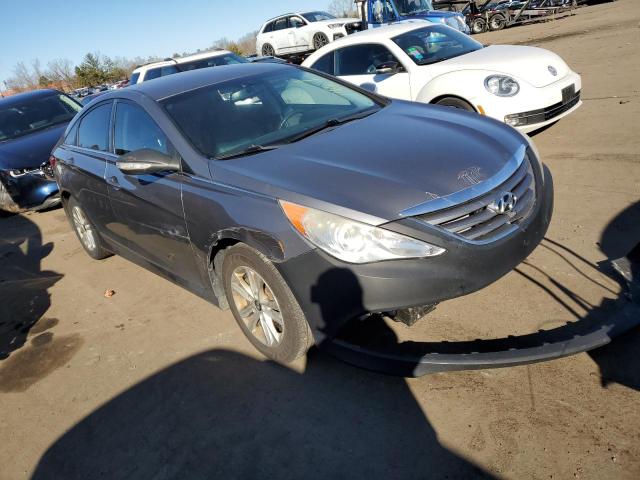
(222, 414)
(24, 297)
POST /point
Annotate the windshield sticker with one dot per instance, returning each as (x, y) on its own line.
(414, 52)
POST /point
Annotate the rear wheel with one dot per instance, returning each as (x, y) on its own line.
(319, 41)
(85, 231)
(478, 25)
(497, 22)
(268, 51)
(455, 103)
(263, 305)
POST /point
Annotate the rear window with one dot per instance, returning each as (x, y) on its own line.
(160, 72)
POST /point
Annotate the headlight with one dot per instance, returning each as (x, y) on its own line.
(352, 241)
(335, 25)
(501, 85)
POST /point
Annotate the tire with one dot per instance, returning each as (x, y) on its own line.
(478, 25)
(320, 40)
(497, 22)
(85, 230)
(283, 334)
(455, 103)
(268, 50)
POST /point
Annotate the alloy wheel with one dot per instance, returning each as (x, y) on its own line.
(268, 51)
(84, 228)
(257, 306)
(320, 41)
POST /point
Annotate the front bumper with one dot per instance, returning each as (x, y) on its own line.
(332, 292)
(540, 106)
(28, 190)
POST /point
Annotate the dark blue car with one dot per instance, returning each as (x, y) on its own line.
(30, 125)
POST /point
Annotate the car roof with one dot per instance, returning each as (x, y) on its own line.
(188, 58)
(170, 85)
(21, 97)
(388, 31)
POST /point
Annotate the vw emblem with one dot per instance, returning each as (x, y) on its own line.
(552, 70)
(506, 202)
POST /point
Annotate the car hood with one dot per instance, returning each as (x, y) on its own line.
(341, 21)
(402, 156)
(30, 151)
(529, 64)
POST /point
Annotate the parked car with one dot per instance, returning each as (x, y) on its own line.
(30, 125)
(89, 98)
(170, 66)
(297, 33)
(298, 201)
(525, 87)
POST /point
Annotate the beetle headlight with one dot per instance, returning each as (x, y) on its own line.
(501, 85)
(352, 241)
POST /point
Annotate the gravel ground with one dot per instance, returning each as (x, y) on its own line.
(155, 383)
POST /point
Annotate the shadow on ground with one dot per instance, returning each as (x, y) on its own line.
(221, 414)
(24, 297)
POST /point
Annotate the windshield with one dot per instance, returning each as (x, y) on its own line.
(317, 16)
(36, 114)
(262, 110)
(435, 44)
(413, 7)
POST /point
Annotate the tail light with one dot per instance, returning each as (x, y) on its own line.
(52, 162)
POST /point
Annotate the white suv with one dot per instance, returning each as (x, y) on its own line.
(296, 33)
(170, 66)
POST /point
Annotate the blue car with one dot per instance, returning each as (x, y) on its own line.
(379, 13)
(30, 125)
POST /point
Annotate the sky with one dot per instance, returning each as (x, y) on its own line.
(49, 29)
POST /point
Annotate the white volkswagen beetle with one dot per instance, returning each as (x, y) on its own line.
(526, 87)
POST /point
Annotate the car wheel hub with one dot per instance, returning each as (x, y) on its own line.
(257, 306)
(83, 227)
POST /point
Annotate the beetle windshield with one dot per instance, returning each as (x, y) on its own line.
(413, 7)
(256, 112)
(19, 119)
(435, 44)
(317, 16)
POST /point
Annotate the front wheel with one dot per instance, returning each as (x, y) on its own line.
(268, 50)
(263, 305)
(455, 103)
(319, 41)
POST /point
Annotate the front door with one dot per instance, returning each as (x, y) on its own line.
(359, 64)
(149, 218)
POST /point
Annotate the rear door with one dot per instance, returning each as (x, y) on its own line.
(149, 218)
(358, 63)
(84, 156)
(281, 35)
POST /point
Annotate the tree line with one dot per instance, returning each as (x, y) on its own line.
(97, 69)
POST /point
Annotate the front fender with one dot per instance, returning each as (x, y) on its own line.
(467, 84)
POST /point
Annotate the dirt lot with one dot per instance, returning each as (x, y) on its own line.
(155, 383)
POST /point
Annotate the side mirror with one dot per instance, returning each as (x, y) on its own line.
(145, 161)
(388, 68)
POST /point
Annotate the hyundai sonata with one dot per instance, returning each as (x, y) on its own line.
(298, 201)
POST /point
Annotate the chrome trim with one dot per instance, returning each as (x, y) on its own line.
(468, 194)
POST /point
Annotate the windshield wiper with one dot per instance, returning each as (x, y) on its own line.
(250, 150)
(331, 123)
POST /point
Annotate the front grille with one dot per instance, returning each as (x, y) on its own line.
(353, 27)
(543, 114)
(477, 220)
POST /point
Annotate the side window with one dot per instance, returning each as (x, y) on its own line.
(325, 64)
(295, 22)
(134, 78)
(93, 132)
(280, 24)
(361, 59)
(135, 129)
(70, 139)
(169, 70)
(152, 73)
(268, 28)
